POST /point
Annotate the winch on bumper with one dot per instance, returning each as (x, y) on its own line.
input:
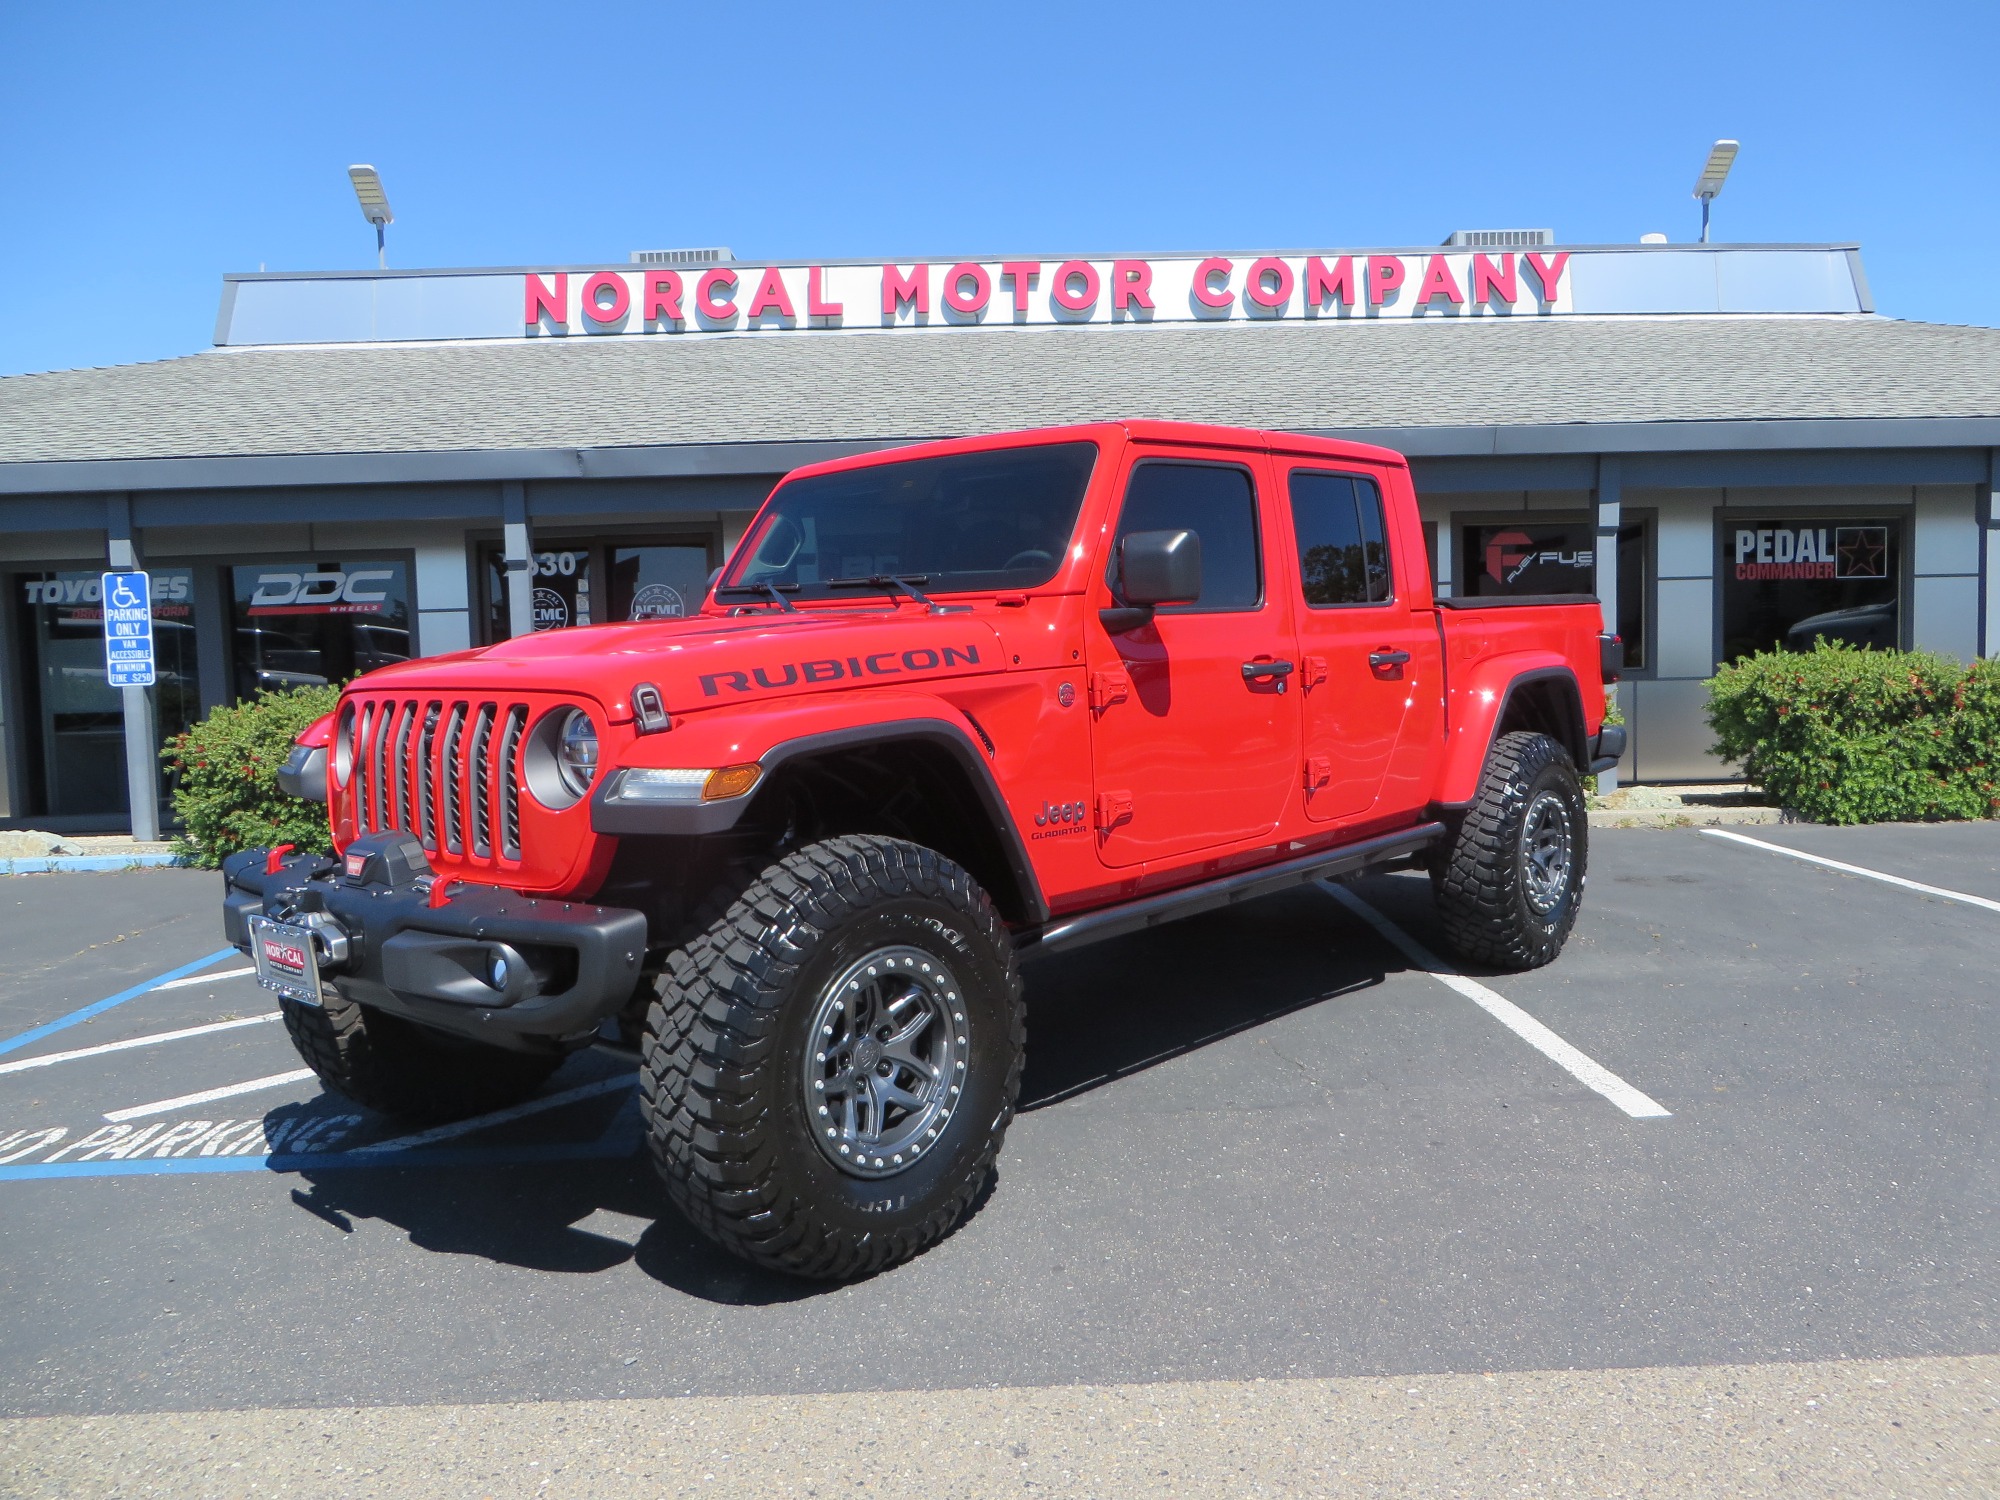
(507, 969)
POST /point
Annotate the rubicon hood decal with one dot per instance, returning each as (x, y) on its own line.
(841, 654)
(708, 661)
(918, 661)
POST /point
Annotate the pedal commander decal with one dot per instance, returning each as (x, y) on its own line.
(839, 669)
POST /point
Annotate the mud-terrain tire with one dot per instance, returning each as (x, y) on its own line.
(849, 986)
(407, 1071)
(1510, 883)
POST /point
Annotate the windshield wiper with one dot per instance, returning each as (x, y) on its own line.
(775, 592)
(890, 583)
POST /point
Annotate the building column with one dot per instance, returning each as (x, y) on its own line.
(443, 603)
(520, 563)
(142, 751)
(1610, 498)
(1987, 513)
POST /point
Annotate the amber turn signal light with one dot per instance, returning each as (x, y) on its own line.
(730, 781)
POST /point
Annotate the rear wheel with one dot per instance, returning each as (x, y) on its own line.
(405, 1070)
(830, 1069)
(1509, 885)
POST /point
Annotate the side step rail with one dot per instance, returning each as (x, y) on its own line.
(1227, 890)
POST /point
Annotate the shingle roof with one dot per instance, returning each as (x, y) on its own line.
(608, 393)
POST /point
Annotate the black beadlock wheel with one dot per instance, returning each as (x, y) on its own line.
(830, 1069)
(408, 1071)
(1509, 885)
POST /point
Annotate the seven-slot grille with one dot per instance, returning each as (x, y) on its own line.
(447, 770)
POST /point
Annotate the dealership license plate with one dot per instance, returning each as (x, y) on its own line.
(285, 959)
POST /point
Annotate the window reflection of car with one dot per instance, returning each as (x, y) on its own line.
(278, 658)
(379, 646)
(1861, 625)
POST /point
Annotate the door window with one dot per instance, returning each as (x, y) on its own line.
(1343, 544)
(1218, 504)
(657, 583)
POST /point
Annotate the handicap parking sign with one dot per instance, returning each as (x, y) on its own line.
(128, 630)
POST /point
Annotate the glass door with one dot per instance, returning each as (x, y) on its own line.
(77, 761)
(661, 582)
(601, 583)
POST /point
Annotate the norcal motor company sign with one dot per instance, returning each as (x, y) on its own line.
(746, 297)
(1330, 288)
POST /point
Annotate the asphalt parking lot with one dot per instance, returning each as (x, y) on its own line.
(1259, 1144)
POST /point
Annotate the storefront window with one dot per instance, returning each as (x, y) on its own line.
(643, 581)
(1789, 581)
(77, 719)
(302, 624)
(1538, 556)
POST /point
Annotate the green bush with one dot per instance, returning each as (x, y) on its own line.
(1845, 735)
(226, 778)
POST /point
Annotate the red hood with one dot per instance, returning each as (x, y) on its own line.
(706, 661)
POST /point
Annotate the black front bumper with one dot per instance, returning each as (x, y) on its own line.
(569, 964)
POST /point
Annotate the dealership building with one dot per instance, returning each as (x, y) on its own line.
(1725, 443)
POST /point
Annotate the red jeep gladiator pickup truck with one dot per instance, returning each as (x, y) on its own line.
(944, 705)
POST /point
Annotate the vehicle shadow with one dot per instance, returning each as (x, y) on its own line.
(533, 1216)
(1108, 1012)
(1096, 1017)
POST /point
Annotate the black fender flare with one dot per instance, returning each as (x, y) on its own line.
(697, 819)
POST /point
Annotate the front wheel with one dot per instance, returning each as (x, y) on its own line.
(1509, 885)
(407, 1071)
(831, 1068)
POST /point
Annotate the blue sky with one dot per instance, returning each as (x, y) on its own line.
(149, 149)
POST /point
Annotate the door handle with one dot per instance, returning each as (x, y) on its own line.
(1252, 670)
(1275, 671)
(1381, 659)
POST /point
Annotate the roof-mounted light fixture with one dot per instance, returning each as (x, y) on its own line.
(374, 206)
(1721, 157)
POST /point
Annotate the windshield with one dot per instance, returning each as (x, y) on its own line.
(968, 522)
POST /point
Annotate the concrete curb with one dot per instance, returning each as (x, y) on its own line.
(68, 864)
(1685, 817)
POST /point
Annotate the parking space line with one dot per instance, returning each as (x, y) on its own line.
(498, 1116)
(1579, 1065)
(76, 1017)
(181, 984)
(528, 1153)
(1846, 869)
(163, 1106)
(157, 1037)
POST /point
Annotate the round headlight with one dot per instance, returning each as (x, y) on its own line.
(576, 752)
(343, 746)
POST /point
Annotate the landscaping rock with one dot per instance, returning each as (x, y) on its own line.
(31, 843)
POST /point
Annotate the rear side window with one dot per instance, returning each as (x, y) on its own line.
(1218, 504)
(1343, 544)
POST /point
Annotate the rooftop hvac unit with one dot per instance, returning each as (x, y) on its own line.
(1500, 239)
(720, 255)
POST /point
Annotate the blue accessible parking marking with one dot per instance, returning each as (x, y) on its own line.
(315, 1133)
(75, 1017)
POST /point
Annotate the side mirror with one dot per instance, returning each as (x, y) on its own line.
(1154, 567)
